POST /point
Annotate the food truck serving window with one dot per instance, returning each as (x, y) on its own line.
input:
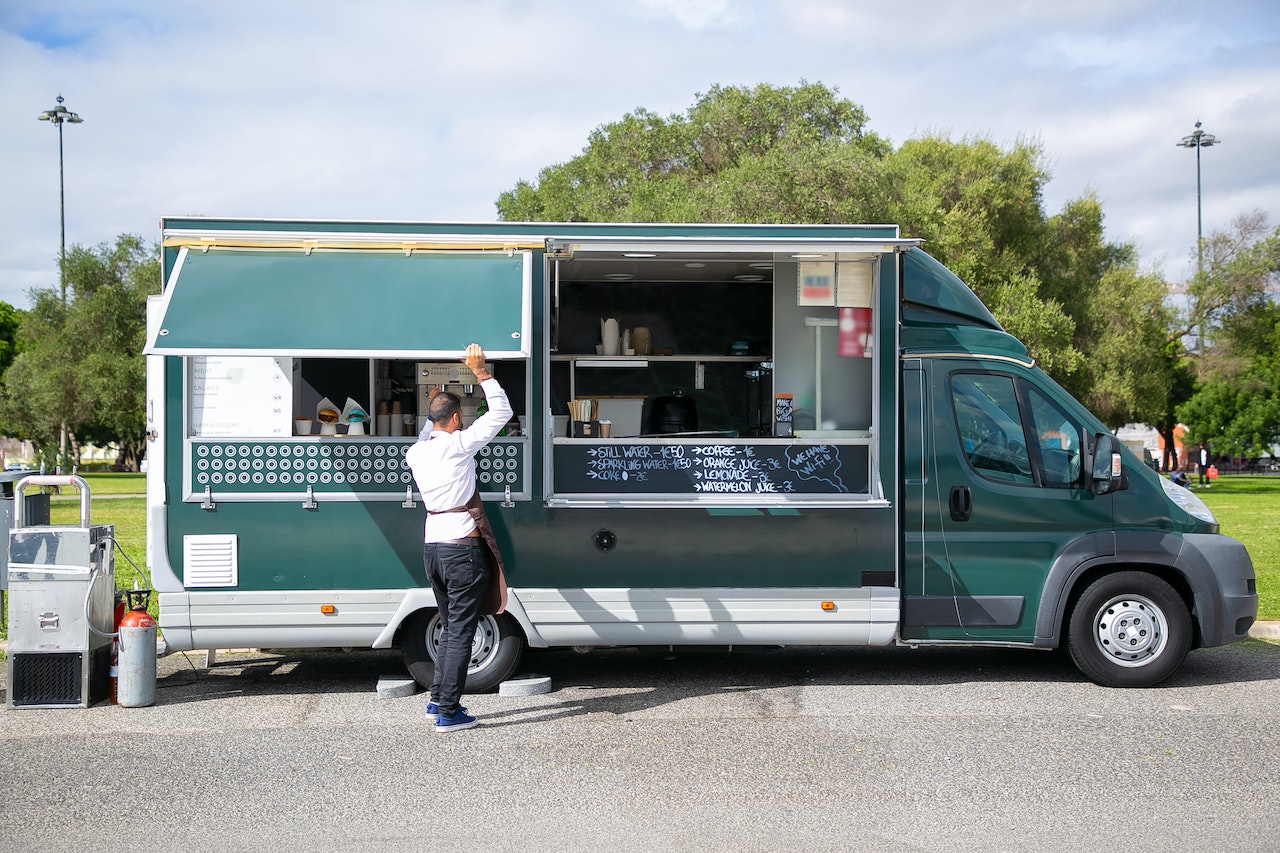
(715, 373)
(335, 303)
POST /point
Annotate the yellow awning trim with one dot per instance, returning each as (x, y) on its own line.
(308, 244)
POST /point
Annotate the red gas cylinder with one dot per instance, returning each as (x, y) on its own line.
(137, 685)
(137, 619)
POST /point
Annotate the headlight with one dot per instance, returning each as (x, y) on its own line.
(1187, 501)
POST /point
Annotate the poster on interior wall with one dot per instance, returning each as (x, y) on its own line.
(854, 336)
(241, 396)
(817, 285)
(854, 284)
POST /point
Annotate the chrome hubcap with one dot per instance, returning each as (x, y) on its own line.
(483, 646)
(1130, 630)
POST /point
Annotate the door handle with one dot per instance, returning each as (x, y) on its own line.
(960, 503)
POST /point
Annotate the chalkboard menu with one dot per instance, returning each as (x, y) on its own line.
(709, 469)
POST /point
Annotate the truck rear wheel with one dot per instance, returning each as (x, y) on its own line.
(1129, 629)
(495, 651)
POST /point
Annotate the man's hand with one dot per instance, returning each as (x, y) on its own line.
(475, 361)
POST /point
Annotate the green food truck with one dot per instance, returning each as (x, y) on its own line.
(725, 435)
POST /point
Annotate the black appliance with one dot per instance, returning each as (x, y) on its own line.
(673, 413)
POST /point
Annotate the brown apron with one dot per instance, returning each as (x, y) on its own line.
(495, 597)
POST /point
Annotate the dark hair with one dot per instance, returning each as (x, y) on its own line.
(444, 406)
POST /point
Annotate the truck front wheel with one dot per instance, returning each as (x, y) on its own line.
(1129, 629)
(495, 651)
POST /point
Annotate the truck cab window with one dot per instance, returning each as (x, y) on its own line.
(990, 427)
(1058, 439)
(995, 435)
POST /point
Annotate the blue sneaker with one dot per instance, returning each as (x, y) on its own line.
(459, 721)
(433, 710)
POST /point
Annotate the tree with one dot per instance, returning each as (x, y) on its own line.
(803, 154)
(979, 211)
(81, 364)
(10, 320)
(706, 164)
(1235, 409)
(1238, 266)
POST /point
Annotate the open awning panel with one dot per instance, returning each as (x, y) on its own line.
(335, 303)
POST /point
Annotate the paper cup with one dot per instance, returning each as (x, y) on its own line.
(301, 426)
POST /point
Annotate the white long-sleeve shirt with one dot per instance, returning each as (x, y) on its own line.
(444, 466)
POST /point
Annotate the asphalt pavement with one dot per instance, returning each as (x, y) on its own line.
(790, 749)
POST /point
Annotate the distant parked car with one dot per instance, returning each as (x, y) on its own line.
(17, 466)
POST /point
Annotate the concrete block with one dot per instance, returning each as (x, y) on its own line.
(396, 687)
(529, 684)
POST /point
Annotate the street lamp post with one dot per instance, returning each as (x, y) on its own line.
(1197, 140)
(60, 115)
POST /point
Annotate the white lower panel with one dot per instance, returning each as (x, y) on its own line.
(549, 617)
(617, 617)
(233, 620)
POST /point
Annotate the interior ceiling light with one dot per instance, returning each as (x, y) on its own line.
(761, 265)
(619, 276)
(749, 277)
(695, 265)
(639, 255)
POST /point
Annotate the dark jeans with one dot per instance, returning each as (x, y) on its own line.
(459, 576)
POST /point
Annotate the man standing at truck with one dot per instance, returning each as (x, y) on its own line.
(456, 549)
(1204, 466)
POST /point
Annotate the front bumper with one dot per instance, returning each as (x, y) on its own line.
(1222, 578)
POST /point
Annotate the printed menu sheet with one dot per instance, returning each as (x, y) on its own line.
(242, 396)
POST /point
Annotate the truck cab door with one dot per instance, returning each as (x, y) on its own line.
(1009, 493)
(929, 603)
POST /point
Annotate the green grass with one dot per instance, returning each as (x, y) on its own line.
(113, 484)
(1247, 508)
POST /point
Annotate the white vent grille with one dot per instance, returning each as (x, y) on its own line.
(210, 560)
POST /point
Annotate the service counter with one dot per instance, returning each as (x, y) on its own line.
(342, 468)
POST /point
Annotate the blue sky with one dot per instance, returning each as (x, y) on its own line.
(393, 109)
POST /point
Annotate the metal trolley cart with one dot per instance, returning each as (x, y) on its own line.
(61, 601)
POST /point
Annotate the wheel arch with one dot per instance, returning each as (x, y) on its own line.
(1154, 552)
(423, 599)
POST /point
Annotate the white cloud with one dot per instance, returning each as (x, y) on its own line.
(395, 109)
(694, 14)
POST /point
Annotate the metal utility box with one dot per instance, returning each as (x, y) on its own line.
(61, 588)
(35, 510)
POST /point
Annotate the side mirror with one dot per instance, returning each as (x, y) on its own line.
(1106, 471)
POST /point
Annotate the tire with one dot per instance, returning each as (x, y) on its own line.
(1129, 629)
(495, 651)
